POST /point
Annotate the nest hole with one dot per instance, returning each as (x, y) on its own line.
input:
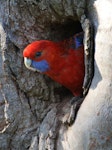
(61, 31)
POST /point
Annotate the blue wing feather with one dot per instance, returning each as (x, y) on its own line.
(79, 40)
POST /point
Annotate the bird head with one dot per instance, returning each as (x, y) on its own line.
(44, 55)
(39, 55)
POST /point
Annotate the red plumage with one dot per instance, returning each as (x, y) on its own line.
(66, 63)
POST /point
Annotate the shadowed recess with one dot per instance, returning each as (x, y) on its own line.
(61, 31)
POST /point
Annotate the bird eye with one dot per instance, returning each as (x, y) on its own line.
(38, 54)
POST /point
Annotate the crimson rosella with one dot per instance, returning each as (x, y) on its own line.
(62, 61)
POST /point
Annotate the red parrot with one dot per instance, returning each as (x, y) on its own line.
(62, 61)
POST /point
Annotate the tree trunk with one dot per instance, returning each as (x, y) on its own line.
(32, 106)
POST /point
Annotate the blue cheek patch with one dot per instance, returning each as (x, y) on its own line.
(42, 65)
(79, 40)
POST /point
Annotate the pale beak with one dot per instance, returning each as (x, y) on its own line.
(28, 63)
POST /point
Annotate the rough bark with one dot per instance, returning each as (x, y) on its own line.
(32, 106)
